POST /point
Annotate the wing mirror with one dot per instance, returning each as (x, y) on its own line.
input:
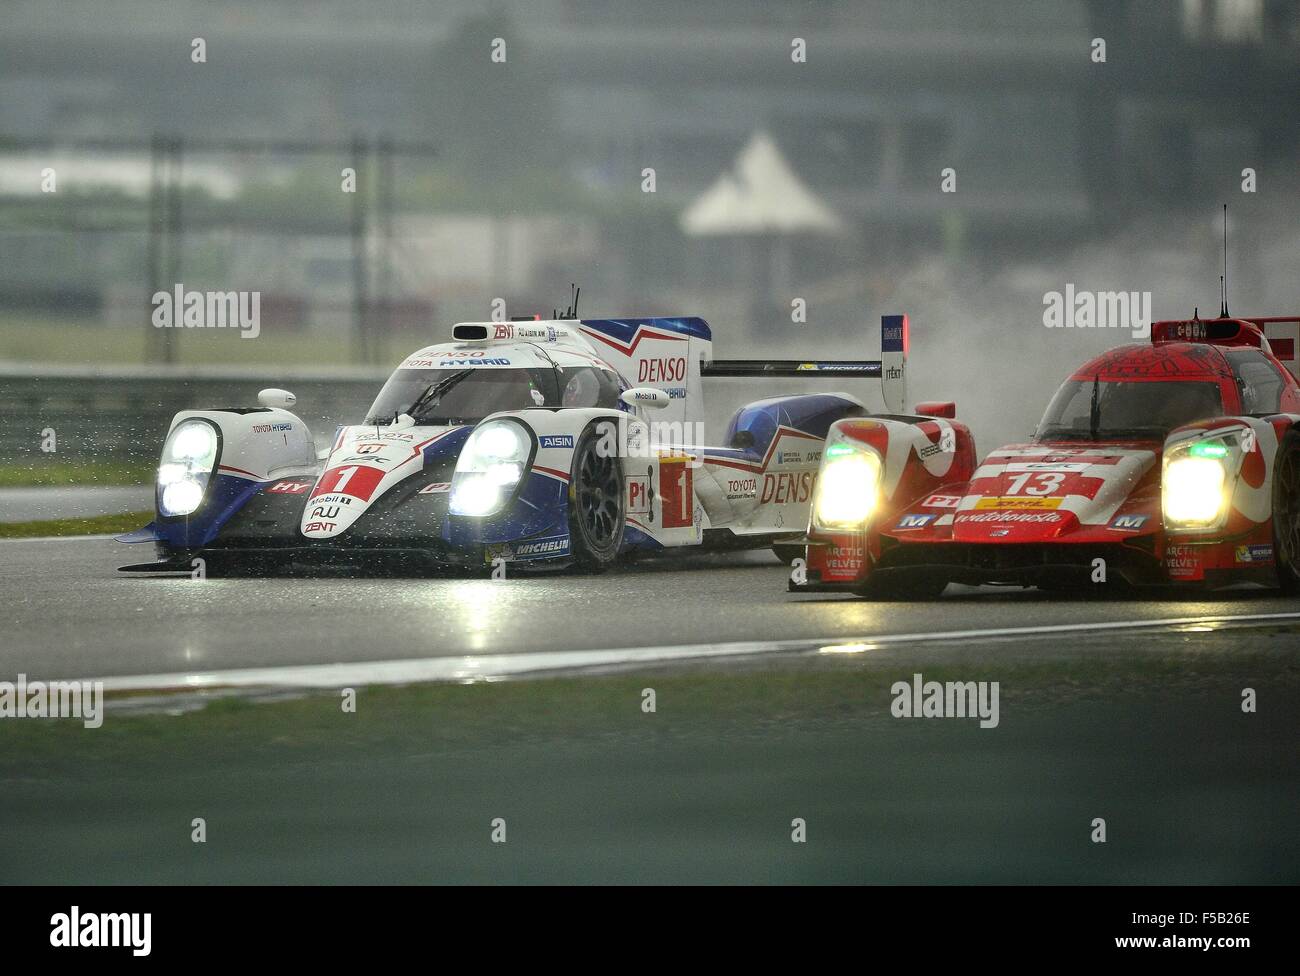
(272, 397)
(946, 409)
(646, 396)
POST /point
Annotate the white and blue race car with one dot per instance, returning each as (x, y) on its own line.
(560, 442)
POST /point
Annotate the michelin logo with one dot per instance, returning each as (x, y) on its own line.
(541, 548)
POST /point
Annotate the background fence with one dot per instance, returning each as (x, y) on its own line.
(122, 414)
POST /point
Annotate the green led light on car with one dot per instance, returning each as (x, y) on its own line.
(1208, 449)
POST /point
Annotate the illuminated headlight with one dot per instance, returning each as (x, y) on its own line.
(490, 467)
(848, 488)
(188, 459)
(1194, 487)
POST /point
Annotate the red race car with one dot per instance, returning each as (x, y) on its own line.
(1176, 461)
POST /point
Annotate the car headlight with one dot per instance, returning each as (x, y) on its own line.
(1194, 486)
(848, 488)
(189, 457)
(490, 467)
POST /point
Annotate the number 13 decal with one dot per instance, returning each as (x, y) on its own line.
(1045, 483)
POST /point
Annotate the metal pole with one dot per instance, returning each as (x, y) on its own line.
(175, 243)
(358, 230)
(153, 256)
(384, 190)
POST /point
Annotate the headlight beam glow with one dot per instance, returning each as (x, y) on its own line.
(848, 489)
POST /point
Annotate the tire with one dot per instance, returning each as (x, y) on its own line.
(1286, 513)
(596, 505)
(788, 553)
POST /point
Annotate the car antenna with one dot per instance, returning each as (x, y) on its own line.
(572, 311)
(1223, 278)
(1094, 409)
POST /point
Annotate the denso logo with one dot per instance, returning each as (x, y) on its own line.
(671, 370)
(788, 489)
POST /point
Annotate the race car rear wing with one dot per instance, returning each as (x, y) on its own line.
(891, 367)
(1280, 332)
(1283, 334)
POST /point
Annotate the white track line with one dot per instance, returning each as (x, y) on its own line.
(59, 538)
(481, 667)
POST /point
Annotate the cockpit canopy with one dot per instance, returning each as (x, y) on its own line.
(454, 394)
(1127, 409)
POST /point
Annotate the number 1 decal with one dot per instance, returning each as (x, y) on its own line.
(676, 492)
(355, 480)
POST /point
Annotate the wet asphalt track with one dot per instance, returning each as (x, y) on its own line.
(68, 613)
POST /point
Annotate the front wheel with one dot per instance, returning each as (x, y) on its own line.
(1286, 513)
(596, 496)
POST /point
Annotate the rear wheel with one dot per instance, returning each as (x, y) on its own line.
(596, 499)
(1286, 513)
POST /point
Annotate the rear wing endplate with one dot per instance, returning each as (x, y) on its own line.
(891, 367)
(1283, 335)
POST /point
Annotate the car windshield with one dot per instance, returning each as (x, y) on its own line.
(1116, 410)
(462, 396)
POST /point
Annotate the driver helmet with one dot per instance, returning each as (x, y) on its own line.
(582, 390)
